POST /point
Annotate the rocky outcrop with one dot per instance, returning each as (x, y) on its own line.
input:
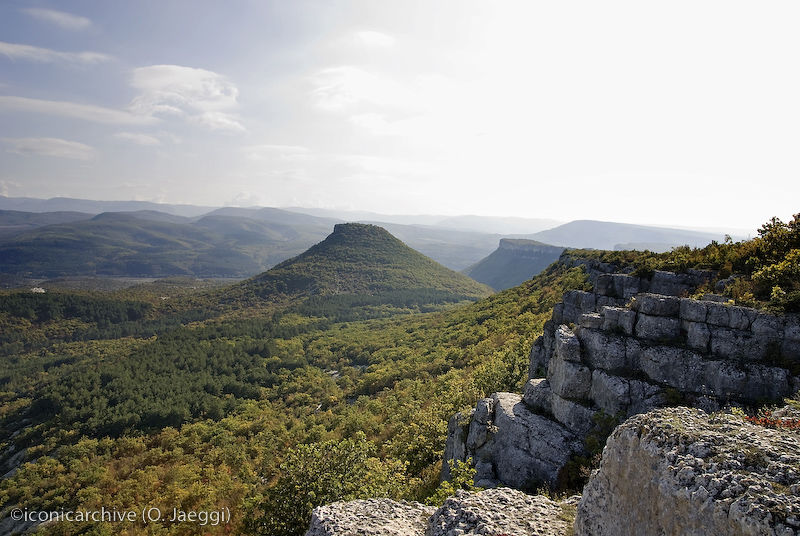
(521, 444)
(370, 517)
(631, 345)
(490, 512)
(681, 471)
(501, 511)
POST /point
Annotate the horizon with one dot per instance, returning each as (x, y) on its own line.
(738, 233)
(680, 116)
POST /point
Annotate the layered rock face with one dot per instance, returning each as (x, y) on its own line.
(681, 471)
(490, 512)
(631, 345)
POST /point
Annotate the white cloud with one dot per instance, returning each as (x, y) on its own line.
(197, 95)
(6, 186)
(87, 112)
(372, 38)
(50, 147)
(59, 18)
(218, 121)
(270, 151)
(347, 86)
(139, 139)
(16, 51)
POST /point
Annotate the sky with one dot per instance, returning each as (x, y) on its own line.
(682, 113)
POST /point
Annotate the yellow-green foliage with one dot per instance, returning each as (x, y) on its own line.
(397, 380)
(462, 477)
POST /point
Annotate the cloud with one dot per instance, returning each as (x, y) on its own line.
(87, 112)
(50, 147)
(139, 139)
(59, 18)
(200, 96)
(371, 38)
(269, 151)
(16, 51)
(347, 86)
(6, 186)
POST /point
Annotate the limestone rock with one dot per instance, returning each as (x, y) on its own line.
(656, 305)
(590, 320)
(499, 511)
(456, 442)
(568, 379)
(576, 417)
(618, 320)
(602, 349)
(526, 449)
(568, 347)
(681, 471)
(370, 517)
(657, 328)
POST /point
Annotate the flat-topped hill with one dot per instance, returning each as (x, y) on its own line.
(514, 261)
(360, 259)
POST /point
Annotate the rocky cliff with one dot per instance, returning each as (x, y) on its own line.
(630, 345)
(625, 350)
(681, 471)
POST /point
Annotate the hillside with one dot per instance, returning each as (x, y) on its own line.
(360, 259)
(153, 244)
(14, 221)
(514, 261)
(611, 235)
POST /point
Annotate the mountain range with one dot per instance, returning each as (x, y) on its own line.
(64, 236)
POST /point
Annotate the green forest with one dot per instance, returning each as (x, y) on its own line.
(329, 377)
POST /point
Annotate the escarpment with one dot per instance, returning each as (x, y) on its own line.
(631, 345)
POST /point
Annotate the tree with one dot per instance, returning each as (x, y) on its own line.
(321, 473)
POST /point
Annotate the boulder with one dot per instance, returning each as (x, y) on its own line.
(568, 379)
(526, 449)
(618, 320)
(693, 310)
(370, 517)
(499, 511)
(681, 471)
(657, 328)
(602, 349)
(656, 305)
(567, 345)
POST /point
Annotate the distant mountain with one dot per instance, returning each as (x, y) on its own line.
(14, 221)
(455, 249)
(469, 223)
(362, 216)
(607, 235)
(61, 204)
(153, 244)
(490, 224)
(513, 262)
(275, 215)
(359, 259)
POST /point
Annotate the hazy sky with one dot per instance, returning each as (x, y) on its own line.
(677, 112)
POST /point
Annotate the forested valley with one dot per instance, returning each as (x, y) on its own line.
(268, 405)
